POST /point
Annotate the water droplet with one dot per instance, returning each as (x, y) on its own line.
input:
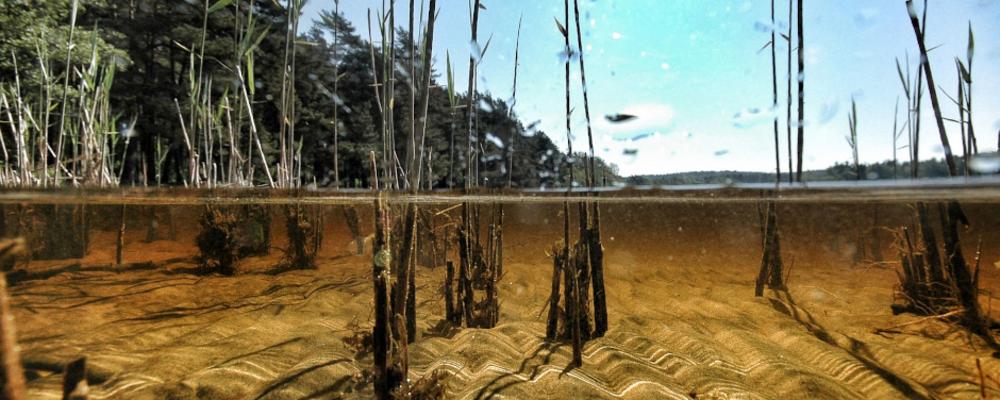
(865, 18)
(616, 36)
(634, 138)
(828, 111)
(754, 116)
(474, 50)
(720, 153)
(986, 163)
(485, 106)
(761, 26)
(665, 66)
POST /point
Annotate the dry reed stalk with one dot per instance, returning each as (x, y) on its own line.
(788, 104)
(802, 89)
(931, 88)
(427, 55)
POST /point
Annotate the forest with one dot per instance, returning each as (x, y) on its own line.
(145, 92)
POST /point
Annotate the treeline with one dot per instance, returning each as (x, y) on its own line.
(934, 168)
(159, 53)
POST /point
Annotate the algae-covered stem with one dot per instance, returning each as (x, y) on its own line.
(380, 262)
(120, 243)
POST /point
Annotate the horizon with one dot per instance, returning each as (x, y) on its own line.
(693, 76)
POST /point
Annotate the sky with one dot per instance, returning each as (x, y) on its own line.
(693, 73)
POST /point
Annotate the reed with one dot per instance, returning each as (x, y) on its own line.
(948, 283)
(914, 98)
(931, 87)
(771, 264)
(802, 91)
(852, 138)
(427, 56)
(788, 105)
(87, 125)
(774, 94)
(513, 103)
(897, 132)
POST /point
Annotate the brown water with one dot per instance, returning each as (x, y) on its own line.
(680, 268)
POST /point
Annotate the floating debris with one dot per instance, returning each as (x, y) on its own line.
(619, 118)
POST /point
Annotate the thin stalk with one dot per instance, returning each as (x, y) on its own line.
(802, 91)
(412, 181)
(591, 173)
(471, 99)
(931, 88)
(427, 55)
(774, 93)
(336, 107)
(569, 130)
(788, 109)
(69, 53)
(513, 103)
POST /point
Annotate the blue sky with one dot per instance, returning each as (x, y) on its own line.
(691, 71)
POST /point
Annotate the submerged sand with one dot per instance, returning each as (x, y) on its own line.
(683, 321)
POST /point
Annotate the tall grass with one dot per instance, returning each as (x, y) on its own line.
(87, 125)
(90, 133)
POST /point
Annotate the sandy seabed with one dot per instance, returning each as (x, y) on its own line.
(683, 321)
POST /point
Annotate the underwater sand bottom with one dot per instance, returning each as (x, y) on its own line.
(676, 331)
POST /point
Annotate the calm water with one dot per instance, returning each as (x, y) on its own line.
(123, 280)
